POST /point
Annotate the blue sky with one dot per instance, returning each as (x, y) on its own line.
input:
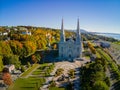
(94, 15)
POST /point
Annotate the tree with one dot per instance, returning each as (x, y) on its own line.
(52, 84)
(6, 76)
(55, 46)
(1, 63)
(5, 48)
(98, 76)
(16, 47)
(22, 68)
(35, 58)
(71, 73)
(29, 48)
(91, 48)
(98, 67)
(28, 64)
(11, 59)
(100, 85)
(107, 80)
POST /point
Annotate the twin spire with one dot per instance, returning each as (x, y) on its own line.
(62, 35)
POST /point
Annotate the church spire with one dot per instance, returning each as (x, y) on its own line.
(78, 32)
(62, 34)
(78, 28)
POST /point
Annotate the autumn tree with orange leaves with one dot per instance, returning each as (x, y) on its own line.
(6, 76)
(35, 58)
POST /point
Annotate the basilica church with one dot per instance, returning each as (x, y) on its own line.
(71, 48)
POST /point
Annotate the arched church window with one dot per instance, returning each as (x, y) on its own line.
(62, 49)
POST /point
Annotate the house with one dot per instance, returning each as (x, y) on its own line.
(105, 44)
(5, 33)
(26, 32)
(11, 68)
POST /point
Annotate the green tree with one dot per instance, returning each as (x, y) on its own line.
(16, 47)
(107, 80)
(28, 64)
(29, 48)
(22, 68)
(100, 85)
(1, 63)
(98, 67)
(5, 48)
(12, 59)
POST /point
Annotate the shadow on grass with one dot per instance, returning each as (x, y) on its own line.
(116, 85)
(27, 87)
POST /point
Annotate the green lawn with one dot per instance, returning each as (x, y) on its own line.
(37, 72)
(31, 83)
(43, 70)
(87, 57)
(29, 70)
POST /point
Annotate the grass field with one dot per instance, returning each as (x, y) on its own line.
(35, 81)
(31, 83)
(29, 70)
(56, 88)
(37, 72)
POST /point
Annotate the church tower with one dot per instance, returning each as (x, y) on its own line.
(70, 49)
(78, 38)
(62, 33)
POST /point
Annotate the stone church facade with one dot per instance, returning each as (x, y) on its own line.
(71, 48)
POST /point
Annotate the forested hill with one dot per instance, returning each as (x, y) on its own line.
(23, 41)
(19, 42)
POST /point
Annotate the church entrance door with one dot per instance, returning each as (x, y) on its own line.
(70, 57)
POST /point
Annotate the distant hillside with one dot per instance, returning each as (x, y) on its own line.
(105, 33)
(81, 30)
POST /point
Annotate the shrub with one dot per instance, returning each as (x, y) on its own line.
(59, 72)
(52, 84)
(28, 64)
(22, 68)
(71, 73)
(107, 80)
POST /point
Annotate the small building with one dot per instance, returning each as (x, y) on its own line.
(25, 32)
(11, 68)
(5, 33)
(23, 28)
(105, 44)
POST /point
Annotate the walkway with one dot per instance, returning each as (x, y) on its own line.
(66, 66)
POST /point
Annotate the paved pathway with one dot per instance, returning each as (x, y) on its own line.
(66, 66)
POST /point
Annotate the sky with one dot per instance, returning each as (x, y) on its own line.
(94, 15)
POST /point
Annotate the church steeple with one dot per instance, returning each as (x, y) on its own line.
(62, 34)
(78, 32)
